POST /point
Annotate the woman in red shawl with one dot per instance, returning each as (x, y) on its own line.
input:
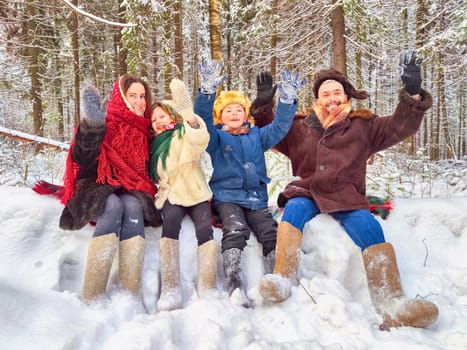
(106, 182)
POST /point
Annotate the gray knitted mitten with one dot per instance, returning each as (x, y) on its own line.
(210, 75)
(289, 86)
(94, 110)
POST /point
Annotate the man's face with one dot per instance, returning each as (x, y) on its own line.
(331, 94)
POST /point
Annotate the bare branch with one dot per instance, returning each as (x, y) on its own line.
(426, 250)
(307, 293)
(19, 135)
(89, 15)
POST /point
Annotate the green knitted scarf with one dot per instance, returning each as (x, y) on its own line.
(160, 146)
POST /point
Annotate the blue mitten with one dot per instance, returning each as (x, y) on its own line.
(94, 112)
(410, 71)
(289, 86)
(210, 75)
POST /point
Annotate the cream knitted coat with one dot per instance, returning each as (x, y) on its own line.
(182, 182)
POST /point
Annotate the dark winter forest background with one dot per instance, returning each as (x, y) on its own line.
(49, 52)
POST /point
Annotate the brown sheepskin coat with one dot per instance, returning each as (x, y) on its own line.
(331, 164)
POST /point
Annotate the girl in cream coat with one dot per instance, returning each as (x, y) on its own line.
(180, 138)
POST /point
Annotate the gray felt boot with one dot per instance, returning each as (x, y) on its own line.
(232, 269)
(269, 261)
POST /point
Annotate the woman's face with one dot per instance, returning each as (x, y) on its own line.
(136, 97)
(233, 115)
(160, 119)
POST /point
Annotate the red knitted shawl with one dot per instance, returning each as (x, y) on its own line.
(124, 152)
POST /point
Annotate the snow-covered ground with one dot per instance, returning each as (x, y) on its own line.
(41, 269)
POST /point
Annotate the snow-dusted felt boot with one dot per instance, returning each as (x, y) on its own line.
(170, 297)
(386, 291)
(232, 258)
(207, 267)
(101, 253)
(277, 287)
(269, 261)
(131, 259)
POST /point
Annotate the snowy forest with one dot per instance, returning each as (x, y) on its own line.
(49, 52)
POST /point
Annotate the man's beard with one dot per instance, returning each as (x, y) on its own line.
(332, 105)
(335, 103)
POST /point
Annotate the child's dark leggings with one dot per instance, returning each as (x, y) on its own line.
(200, 214)
(237, 223)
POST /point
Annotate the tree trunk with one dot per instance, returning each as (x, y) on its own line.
(121, 52)
(420, 38)
(421, 25)
(168, 36)
(215, 29)
(273, 63)
(228, 44)
(154, 57)
(445, 145)
(75, 45)
(58, 88)
(436, 139)
(177, 7)
(35, 71)
(461, 149)
(359, 66)
(338, 39)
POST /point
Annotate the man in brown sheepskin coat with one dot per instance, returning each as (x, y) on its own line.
(328, 147)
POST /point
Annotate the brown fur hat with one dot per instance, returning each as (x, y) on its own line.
(332, 74)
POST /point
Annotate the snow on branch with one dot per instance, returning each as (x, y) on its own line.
(19, 135)
(99, 19)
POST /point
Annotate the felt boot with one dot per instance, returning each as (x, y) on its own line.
(269, 261)
(131, 259)
(232, 258)
(386, 291)
(170, 297)
(101, 253)
(277, 287)
(207, 267)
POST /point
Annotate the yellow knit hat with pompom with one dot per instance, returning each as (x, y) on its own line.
(227, 98)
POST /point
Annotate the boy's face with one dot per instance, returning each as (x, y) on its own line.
(160, 119)
(331, 94)
(233, 115)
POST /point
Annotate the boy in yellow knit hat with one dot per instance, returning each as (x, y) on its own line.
(239, 179)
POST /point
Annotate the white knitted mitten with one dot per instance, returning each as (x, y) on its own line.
(181, 99)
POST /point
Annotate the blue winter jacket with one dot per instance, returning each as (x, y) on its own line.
(239, 174)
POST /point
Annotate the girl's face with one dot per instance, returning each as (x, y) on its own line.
(160, 119)
(331, 94)
(136, 97)
(233, 115)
